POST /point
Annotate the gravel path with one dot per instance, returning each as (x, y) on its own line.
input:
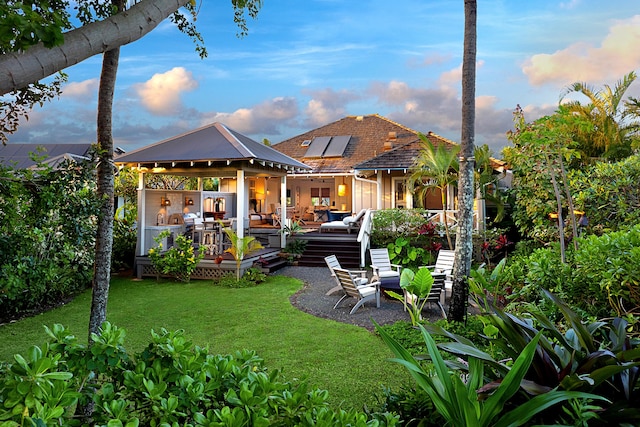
(312, 299)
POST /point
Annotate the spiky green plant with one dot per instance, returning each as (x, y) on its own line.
(240, 247)
(472, 402)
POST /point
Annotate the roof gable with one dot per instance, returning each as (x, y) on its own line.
(18, 155)
(214, 143)
(402, 157)
(370, 136)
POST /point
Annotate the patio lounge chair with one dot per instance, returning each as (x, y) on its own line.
(362, 293)
(388, 273)
(444, 265)
(333, 263)
(349, 223)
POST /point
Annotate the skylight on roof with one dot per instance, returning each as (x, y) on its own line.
(327, 146)
(306, 143)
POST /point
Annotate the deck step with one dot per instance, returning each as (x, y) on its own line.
(347, 252)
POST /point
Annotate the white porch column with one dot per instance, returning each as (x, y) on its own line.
(142, 213)
(283, 210)
(241, 203)
(379, 191)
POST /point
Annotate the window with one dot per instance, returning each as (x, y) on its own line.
(321, 196)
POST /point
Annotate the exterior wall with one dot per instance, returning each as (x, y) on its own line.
(364, 196)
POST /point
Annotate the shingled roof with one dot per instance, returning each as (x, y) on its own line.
(211, 146)
(18, 156)
(369, 134)
(402, 157)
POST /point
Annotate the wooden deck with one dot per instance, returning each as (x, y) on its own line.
(216, 266)
(211, 266)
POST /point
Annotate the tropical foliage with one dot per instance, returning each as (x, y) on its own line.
(416, 288)
(240, 247)
(606, 126)
(46, 235)
(435, 168)
(170, 382)
(473, 402)
(178, 261)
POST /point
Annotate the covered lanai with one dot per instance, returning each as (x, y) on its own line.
(249, 171)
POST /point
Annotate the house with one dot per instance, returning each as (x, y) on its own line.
(242, 165)
(359, 162)
(19, 156)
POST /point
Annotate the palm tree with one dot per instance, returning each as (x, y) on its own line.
(434, 168)
(240, 246)
(608, 132)
(466, 193)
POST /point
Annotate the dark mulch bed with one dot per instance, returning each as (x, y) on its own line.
(312, 299)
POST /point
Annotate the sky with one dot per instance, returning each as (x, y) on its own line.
(308, 63)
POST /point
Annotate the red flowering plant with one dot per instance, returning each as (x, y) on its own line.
(496, 249)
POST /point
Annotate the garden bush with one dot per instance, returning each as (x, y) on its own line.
(171, 382)
(124, 237)
(179, 261)
(47, 235)
(599, 279)
(412, 241)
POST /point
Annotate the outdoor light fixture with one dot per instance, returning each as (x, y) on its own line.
(342, 188)
(164, 201)
(188, 201)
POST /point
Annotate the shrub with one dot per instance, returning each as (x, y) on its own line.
(389, 224)
(251, 277)
(47, 236)
(124, 237)
(171, 382)
(600, 278)
(606, 273)
(179, 261)
(402, 252)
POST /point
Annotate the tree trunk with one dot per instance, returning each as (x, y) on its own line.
(466, 193)
(19, 69)
(556, 190)
(105, 178)
(567, 192)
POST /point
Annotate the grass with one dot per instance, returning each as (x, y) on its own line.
(348, 361)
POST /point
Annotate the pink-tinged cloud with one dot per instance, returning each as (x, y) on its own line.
(265, 118)
(81, 90)
(617, 55)
(160, 94)
(326, 106)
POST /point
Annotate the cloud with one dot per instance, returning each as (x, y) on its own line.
(81, 90)
(616, 56)
(327, 105)
(571, 4)
(432, 59)
(160, 95)
(438, 109)
(264, 118)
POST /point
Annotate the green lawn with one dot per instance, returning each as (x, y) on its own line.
(347, 360)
